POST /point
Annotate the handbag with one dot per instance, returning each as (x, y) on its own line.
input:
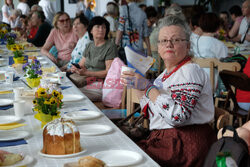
(121, 51)
(135, 130)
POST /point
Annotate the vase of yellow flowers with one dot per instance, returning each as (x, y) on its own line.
(33, 73)
(18, 54)
(47, 105)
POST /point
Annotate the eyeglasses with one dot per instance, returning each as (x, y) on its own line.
(63, 20)
(172, 41)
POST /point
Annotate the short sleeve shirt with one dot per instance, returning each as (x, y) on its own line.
(96, 56)
(62, 43)
(6, 9)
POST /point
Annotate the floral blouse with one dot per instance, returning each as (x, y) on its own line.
(185, 98)
(77, 53)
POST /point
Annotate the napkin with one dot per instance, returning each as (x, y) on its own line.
(15, 78)
(64, 87)
(12, 143)
(11, 126)
(5, 107)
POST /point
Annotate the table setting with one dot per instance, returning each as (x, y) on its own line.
(21, 132)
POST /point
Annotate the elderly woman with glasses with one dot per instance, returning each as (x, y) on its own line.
(63, 38)
(179, 103)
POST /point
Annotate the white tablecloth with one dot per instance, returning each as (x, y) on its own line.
(93, 144)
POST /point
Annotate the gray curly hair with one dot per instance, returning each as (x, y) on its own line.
(175, 21)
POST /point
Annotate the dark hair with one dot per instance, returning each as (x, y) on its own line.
(40, 15)
(150, 12)
(98, 20)
(236, 10)
(82, 19)
(195, 20)
(23, 16)
(209, 22)
(225, 12)
(142, 6)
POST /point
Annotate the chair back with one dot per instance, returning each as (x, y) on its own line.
(207, 63)
(238, 80)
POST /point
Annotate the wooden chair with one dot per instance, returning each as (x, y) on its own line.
(132, 99)
(207, 63)
(240, 81)
(231, 66)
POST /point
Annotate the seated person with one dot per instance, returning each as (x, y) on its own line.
(15, 22)
(179, 104)
(243, 97)
(206, 45)
(236, 16)
(151, 17)
(38, 20)
(97, 58)
(64, 39)
(80, 26)
(244, 33)
(112, 14)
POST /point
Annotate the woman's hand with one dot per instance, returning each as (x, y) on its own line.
(79, 71)
(134, 80)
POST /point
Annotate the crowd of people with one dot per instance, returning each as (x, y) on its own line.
(179, 103)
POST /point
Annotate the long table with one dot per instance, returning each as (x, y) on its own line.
(116, 140)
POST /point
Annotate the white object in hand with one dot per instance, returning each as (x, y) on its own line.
(19, 108)
(126, 68)
(61, 77)
(9, 77)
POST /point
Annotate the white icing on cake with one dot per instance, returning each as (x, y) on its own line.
(60, 127)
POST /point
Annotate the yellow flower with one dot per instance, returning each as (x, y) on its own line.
(5, 31)
(47, 102)
(55, 93)
(34, 102)
(41, 92)
(52, 100)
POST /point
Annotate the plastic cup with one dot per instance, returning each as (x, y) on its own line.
(19, 108)
(126, 68)
(9, 77)
(18, 91)
(61, 77)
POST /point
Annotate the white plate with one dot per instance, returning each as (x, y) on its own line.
(62, 156)
(26, 161)
(119, 157)
(43, 62)
(5, 102)
(13, 135)
(94, 129)
(8, 119)
(82, 115)
(72, 97)
(39, 58)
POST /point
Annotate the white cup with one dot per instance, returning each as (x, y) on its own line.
(61, 77)
(2, 75)
(18, 91)
(126, 68)
(9, 77)
(19, 108)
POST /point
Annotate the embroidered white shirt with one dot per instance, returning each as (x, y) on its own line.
(185, 99)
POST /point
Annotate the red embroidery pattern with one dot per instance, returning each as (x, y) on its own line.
(185, 97)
